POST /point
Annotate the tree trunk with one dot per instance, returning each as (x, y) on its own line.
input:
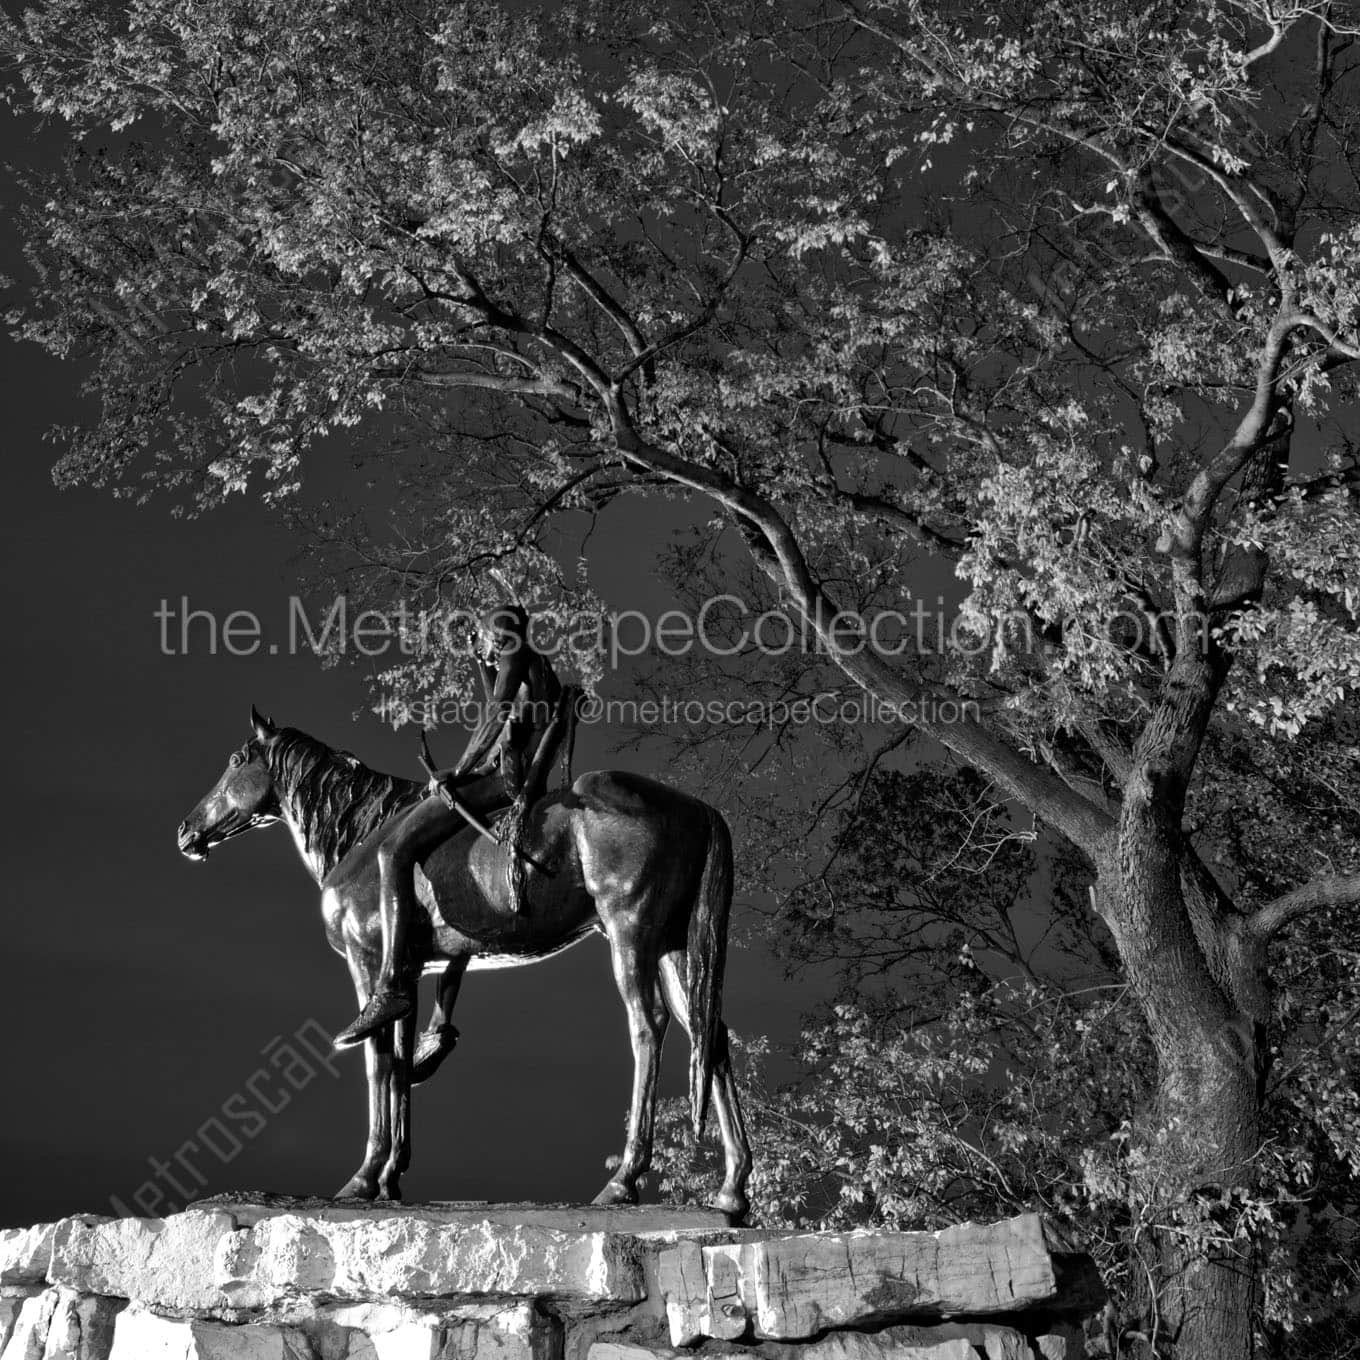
(1202, 1133)
(1207, 1285)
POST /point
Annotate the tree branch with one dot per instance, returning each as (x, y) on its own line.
(1039, 789)
(878, 508)
(1343, 891)
(1209, 482)
(1180, 247)
(495, 382)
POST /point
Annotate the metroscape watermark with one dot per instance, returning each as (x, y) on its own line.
(822, 709)
(722, 626)
(288, 1066)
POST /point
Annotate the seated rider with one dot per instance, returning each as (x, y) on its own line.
(522, 693)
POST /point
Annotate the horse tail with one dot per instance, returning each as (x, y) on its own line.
(706, 950)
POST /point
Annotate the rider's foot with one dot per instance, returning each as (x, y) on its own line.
(384, 1006)
(432, 1047)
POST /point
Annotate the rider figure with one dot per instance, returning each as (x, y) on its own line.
(522, 693)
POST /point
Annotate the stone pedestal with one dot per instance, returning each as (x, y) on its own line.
(269, 1278)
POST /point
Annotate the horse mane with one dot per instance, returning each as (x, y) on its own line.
(332, 799)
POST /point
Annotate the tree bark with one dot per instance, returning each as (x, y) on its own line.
(1202, 1132)
(1198, 972)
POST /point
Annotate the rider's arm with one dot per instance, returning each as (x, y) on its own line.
(511, 672)
(487, 674)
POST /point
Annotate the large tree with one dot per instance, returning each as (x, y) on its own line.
(980, 1053)
(1062, 293)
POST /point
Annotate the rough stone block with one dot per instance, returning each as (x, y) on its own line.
(636, 1220)
(362, 1332)
(10, 1308)
(201, 1262)
(797, 1285)
(394, 1332)
(411, 1341)
(1003, 1343)
(982, 1339)
(1065, 1342)
(521, 1332)
(163, 1263)
(28, 1337)
(142, 1335)
(81, 1327)
(625, 1350)
(25, 1253)
(701, 1299)
(967, 1341)
(921, 1344)
(379, 1259)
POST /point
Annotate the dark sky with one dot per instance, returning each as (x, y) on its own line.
(143, 993)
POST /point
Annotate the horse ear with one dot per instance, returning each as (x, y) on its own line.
(264, 727)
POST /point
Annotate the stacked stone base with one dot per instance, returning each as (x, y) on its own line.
(266, 1278)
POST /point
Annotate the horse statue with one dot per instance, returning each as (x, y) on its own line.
(646, 866)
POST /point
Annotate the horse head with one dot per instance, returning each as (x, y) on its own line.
(243, 798)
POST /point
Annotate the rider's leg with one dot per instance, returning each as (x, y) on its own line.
(426, 825)
(440, 1036)
(508, 790)
(485, 794)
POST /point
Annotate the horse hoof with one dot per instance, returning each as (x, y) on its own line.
(734, 1204)
(616, 1192)
(357, 1188)
(391, 1192)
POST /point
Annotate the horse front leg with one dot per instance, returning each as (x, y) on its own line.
(399, 1109)
(365, 1183)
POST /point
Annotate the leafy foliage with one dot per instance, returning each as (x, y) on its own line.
(502, 234)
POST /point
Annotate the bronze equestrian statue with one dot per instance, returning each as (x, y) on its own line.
(646, 866)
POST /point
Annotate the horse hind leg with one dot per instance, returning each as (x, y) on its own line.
(731, 1198)
(634, 963)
